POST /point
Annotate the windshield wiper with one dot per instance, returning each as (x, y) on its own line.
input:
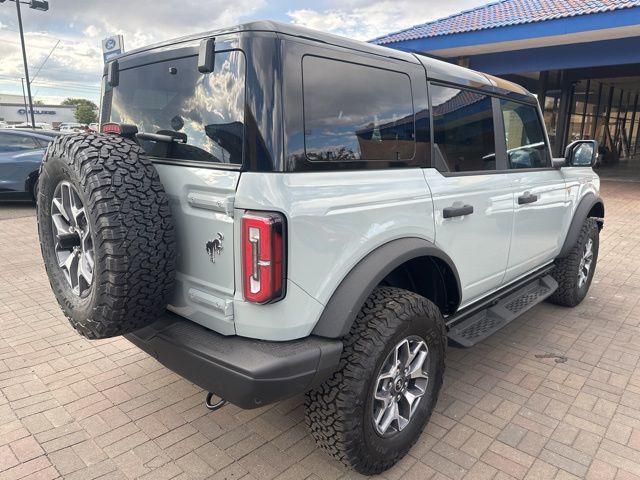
(177, 137)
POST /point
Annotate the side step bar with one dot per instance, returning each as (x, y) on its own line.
(486, 322)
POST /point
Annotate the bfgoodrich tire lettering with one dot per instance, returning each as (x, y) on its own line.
(571, 290)
(339, 412)
(132, 233)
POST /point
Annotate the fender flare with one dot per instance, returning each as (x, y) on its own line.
(582, 212)
(345, 302)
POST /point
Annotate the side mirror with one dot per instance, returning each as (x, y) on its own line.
(581, 153)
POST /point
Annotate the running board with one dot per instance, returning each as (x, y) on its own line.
(486, 322)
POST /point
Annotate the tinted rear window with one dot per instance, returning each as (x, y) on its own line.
(172, 96)
(356, 112)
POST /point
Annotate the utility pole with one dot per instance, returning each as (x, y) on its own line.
(26, 68)
(43, 6)
(24, 98)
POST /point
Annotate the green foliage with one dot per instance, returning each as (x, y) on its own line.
(86, 114)
(86, 111)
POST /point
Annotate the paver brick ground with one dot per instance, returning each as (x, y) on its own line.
(83, 409)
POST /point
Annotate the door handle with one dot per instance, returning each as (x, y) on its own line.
(527, 198)
(451, 212)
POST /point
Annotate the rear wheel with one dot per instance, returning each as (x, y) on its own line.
(574, 272)
(373, 409)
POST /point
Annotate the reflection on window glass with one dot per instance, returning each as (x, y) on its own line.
(526, 147)
(463, 130)
(11, 143)
(172, 96)
(355, 112)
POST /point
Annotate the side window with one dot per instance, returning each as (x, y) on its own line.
(463, 127)
(355, 112)
(526, 146)
(11, 143)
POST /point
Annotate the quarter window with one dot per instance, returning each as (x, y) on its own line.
(355, 112)
(526, 145)
(463, 127)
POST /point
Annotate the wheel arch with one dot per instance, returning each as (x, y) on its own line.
(400, 263)
(590, 206)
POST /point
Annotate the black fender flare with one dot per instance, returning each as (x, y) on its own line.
(587, 203)
(347, 299)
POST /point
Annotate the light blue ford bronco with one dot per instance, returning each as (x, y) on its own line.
(271, 211)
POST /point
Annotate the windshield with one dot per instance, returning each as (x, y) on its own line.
(172, 96)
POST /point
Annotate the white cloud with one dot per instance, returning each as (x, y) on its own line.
(75, 67)
(367, 20)
(76, 64)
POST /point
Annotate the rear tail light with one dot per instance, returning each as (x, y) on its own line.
(263, 256)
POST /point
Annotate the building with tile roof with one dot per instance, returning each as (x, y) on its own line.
(581, 57)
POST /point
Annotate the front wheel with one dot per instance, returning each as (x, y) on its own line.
(574, 272)
(373, 409)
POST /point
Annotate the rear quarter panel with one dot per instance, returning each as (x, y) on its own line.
(334, 219)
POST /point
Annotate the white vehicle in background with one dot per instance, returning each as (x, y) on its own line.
(72, 128)
(94, 127)
(38, 125)
(4, 124)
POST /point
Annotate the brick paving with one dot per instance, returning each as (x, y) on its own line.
(509, 409)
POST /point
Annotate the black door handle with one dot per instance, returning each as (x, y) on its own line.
(527, 198)
(450, 212)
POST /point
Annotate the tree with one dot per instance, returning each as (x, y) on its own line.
(38, 102)
(86, 110)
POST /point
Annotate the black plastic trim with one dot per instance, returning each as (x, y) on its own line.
(246, 372)
(584, 207)
(348, 298)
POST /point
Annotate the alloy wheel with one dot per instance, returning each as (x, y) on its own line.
(72, 238)
(585, 263)
(400, 385)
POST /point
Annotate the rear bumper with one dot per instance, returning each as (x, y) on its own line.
(246, 372)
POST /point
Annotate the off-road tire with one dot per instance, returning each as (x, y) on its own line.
(565, 271)
(131, 227)
(339, 412)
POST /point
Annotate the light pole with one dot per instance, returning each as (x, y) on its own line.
(36, 5)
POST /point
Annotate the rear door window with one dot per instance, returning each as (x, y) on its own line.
(173, 98)
(464, 131)
(355, 112)
(524, 134)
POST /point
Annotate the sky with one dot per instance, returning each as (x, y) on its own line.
(71, 31)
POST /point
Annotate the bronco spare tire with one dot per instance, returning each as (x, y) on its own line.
(106, 233)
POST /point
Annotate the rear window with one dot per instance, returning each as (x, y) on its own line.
(172, 96)
(355, 112)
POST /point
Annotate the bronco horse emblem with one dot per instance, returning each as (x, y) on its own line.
(214, 247)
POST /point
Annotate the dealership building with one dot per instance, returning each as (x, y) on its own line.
(580, 57)
(14, 110)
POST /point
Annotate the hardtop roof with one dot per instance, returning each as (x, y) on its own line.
(435, 68)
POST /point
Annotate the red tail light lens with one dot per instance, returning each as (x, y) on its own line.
(263, 256)
(111, 128)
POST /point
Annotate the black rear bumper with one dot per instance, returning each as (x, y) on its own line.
(246, 372)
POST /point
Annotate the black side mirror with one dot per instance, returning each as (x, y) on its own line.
(582, 153)
(206, 55)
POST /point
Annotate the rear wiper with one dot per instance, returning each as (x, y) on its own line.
(159, 137)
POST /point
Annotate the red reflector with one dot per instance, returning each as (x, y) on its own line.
(111, 128)
(263, 256)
